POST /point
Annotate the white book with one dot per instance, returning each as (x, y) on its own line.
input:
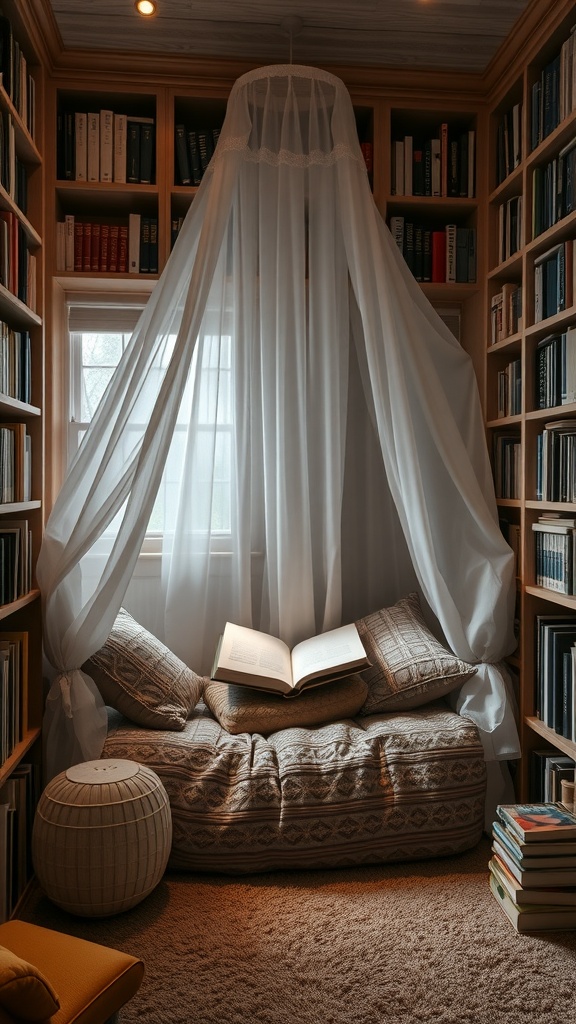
(397, 229)
(134, 243)
(450, 253)
(249, 657)
(93, 133)
(81, 146)
(120, 131)
(106, 145)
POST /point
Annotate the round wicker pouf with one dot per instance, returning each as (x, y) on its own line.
(102, 836)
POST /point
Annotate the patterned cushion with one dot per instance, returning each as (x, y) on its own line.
(409, 666)
(402, 786)
(140, 677)
(241, 709)
(24, 991)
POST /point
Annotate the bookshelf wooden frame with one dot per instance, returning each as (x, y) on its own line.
(515, 85)
(23, 615)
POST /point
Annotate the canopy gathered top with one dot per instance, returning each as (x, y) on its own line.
(308, 426)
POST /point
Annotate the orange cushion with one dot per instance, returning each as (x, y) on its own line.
(24, 991)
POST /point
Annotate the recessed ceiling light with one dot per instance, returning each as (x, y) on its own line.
(147, 8)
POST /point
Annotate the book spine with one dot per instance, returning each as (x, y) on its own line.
(93, 133)
(182, 161)
(106, 145)
(133, 152)
(134, 220)
(147, 139)
(81, 147)
(451, 253)
(120, 147)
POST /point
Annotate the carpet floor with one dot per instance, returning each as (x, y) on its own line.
(420, 943)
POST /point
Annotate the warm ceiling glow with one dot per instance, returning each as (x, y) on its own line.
(147, 8)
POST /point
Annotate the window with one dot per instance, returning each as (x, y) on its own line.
(99, 334)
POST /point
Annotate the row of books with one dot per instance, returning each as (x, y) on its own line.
(440, 166)
(554, 280)
(445, 254)
(549, 773)
(506, 312)
(510, 228)
(15, 463)
(553, 189)
(507, 464)
(194, 149)
(15, 363)
(18, 799)
(532, 870)
(13, 171)
(102, 247)
(105, 146)
(13, 667)
(510, 389)
(508, 142)
(18, 266)
(555, 370)
(553, 94)
(16, 79)
(554, 679)
(556, 461)
(555, 554)
(15, 560)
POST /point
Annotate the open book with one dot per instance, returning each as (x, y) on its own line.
(251, 658)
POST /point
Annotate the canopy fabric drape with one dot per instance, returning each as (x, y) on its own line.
(299, 415)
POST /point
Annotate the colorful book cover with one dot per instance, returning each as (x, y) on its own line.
(536, 822)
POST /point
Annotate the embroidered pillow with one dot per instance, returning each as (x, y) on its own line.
(142, 679)
(241, 709)
(409, 666)
(24, 991)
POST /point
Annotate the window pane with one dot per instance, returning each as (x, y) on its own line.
(94, 383)
(96, 357)
(101, 349)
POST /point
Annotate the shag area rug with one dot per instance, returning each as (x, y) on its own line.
(399, 944)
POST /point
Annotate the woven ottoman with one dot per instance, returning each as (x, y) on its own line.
(102, 836)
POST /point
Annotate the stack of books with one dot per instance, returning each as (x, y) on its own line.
(533, 865)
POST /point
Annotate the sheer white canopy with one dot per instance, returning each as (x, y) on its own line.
(308, 426)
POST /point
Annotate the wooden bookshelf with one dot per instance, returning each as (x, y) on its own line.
(523, 99)
(21, 402)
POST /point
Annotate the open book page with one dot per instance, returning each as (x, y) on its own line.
(245, 651)
(333, 653)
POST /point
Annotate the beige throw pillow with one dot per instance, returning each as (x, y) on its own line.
(242, 709)
(142, 679)
(24, 991)
(409, 666)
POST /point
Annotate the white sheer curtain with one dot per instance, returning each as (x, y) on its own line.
(312, 426)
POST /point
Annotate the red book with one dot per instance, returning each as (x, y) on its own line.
(104, 246)
(438, 256)
(113, 252)
(87, 247)
(78, 245)
(95, 248)
(123, 249)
